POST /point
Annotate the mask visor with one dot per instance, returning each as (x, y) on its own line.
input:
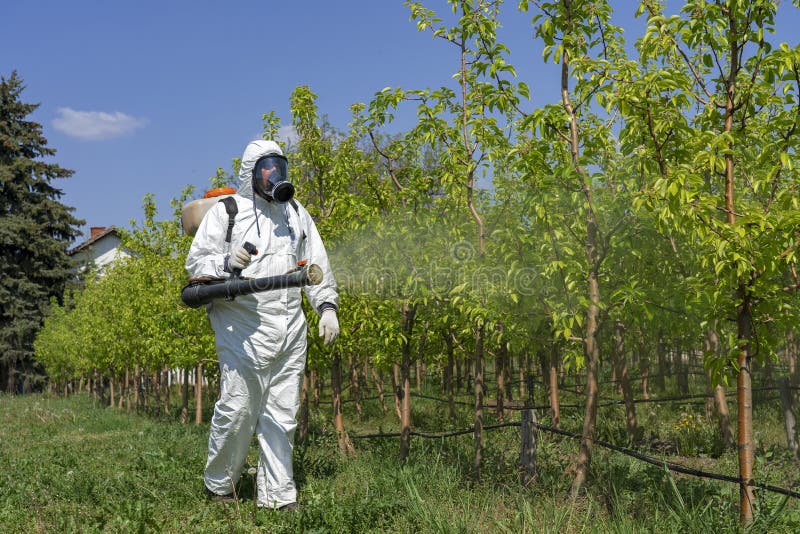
(270, 179)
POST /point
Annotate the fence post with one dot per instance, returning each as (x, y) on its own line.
(788, 416)
(527, 454)
(528, 436)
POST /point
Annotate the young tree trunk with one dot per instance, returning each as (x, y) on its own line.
(135, 388)
(409, 312)
(147, 390)
(614, 379)
(791, 357)
(555, 360)
(469, 369)
(448, 376)
(479, 392)
(661, 377)
(111, 397)
(198, 394)
(420, 363)
(470, 148)
(720, 401)
(644, 370)
(744, 304)
(500, 376)
(94, 385)
(123, 393)
(167, 389)
(185, 397)
(302, 423)
(790, 421)
(527, 456)
(398, 391)
(682, 364)
(508, 369)
(345, 445)
(355, 387)
(459, 376)
(631, 422)
(155, 380)
(523, 367)
(365, 373)
(378, 379)
(593, 262)
(316, 381)
(124, 390)
(710, 411)
(745, 409)
(592, 386)
(544, 366)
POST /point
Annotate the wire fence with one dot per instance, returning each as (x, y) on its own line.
(671, 466)
(517, 405)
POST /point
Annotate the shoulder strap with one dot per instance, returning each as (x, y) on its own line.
(232, 209)
(293, 202)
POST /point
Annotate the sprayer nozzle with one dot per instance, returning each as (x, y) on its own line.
(315, 275)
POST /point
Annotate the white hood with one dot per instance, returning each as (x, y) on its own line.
(254, 151)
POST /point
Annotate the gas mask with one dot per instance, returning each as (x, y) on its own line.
(270, 179)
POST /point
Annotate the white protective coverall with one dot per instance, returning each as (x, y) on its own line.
(260, 338)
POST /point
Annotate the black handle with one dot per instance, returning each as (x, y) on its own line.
(250, 248)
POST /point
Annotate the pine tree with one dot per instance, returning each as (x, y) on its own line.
(35, 231)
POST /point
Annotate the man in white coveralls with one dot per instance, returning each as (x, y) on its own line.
(260, 338)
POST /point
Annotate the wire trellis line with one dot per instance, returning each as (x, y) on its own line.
(515, 405)
(677, 468)
(672, 466)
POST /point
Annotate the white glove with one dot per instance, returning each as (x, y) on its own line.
(239, 259)
(328, 326)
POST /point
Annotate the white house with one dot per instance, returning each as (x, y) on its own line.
(101, 249)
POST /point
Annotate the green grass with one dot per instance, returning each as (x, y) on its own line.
(67, 465)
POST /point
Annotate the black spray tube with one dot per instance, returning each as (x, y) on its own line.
(199, 293)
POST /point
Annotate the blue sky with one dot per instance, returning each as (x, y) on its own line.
(147, 97)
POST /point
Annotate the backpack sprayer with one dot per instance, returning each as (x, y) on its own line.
(200, 291)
